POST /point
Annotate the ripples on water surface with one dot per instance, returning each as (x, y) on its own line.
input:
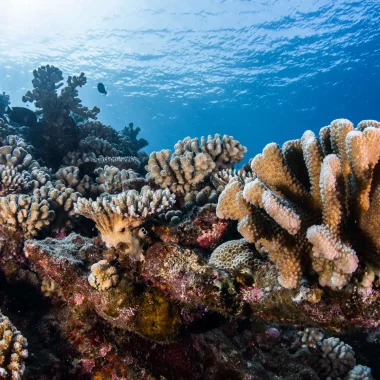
(260, 70)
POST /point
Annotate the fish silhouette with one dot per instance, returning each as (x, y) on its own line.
(102, 89)
(22, 116)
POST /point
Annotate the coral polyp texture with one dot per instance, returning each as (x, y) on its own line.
(314, 203)
(193, 161)
(113, 271)
(13, 350)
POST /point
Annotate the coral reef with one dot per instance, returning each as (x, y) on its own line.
(113, 272)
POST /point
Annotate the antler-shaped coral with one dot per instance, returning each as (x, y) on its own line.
(314, 200)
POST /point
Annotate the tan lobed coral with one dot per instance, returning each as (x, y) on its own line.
(14, 152)
(70, 177)
(113, 180)
(12, 181)
(193, 161)
(117, 217)
(25, 213)
(103, 275)
(13, 350)
(313, 200)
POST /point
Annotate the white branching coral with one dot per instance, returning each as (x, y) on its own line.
(103, 275)
(193, 161)
(12, 181)
(233, 255)
(337, 358)
(221, 179)
(13, 350)
(313, 200)
(117, 217)
(25, 213)
(113, 180)
(70, 177)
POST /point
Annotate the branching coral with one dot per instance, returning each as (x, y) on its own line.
(56, 134)
(128, 162)
(314, 199)
(117, 217)
(99, 130)
(103, 276)
(98, 146)
(70, 177)
(14, 152)
(129, 142)
(47, 80)
(112, 180)
(12, 182)
(192, 162)
(13, 350)
(337, 358)
(26, 213)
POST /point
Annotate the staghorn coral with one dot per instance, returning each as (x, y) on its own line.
(103, 276)
(192, 162)
(13, 350)
(112, 180)
(117, 217)
(324, 215)
(233, 255)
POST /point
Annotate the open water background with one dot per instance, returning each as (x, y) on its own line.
(261, 71)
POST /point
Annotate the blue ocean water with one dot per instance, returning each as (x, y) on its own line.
(261, 71)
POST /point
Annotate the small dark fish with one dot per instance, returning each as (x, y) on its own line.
(22, 116)
(102, 89)
(87, 168)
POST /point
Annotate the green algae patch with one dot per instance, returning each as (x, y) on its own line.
(157, 318)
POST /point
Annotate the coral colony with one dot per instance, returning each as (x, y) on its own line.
(116, 265)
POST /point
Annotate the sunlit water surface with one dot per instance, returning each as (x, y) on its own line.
(261, 71)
